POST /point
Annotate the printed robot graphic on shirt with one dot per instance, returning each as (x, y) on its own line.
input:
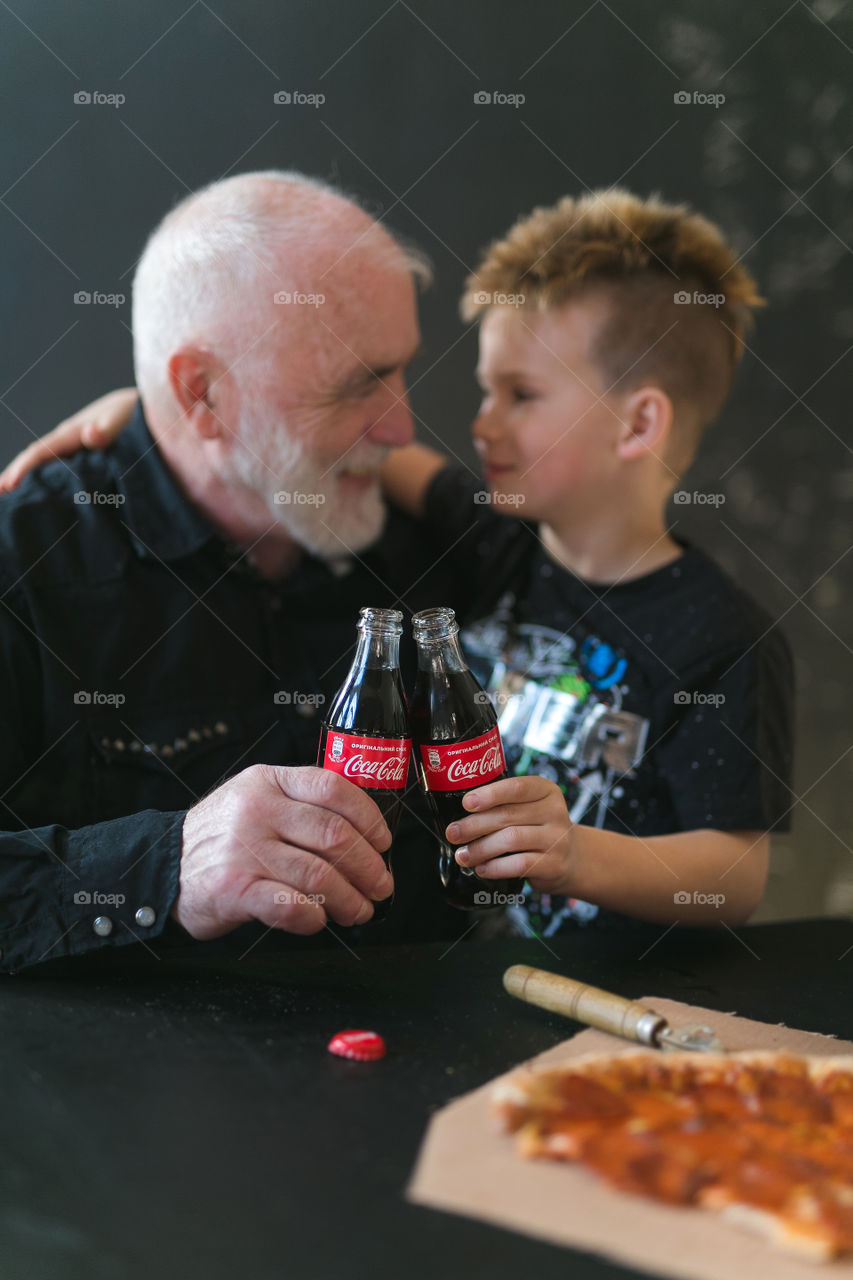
(560, 714)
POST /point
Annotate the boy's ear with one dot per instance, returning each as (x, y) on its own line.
(646, 423)
(192, 373)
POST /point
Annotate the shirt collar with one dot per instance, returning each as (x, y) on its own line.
(165, 525)
(161, 520)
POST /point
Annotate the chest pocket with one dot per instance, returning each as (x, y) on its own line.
(166, 760)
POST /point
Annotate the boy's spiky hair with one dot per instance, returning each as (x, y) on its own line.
(646, 258)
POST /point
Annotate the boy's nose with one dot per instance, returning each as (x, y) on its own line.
(486, 427)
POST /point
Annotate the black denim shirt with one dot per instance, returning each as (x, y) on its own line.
(143, 661)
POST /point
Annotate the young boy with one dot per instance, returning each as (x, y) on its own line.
(644, 700)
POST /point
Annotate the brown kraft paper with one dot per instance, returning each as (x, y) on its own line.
(467, 1166)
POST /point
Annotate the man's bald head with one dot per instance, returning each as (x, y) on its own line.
(211, 271)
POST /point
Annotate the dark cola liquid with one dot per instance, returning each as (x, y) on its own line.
(445, 711)
(373, 708)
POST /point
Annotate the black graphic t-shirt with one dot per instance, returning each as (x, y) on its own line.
(657, 705)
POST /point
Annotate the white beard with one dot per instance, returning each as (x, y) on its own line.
(331, 523)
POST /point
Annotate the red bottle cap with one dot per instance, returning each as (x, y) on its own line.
(364, 1046)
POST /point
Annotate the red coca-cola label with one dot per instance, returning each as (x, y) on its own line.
(461, 766)
(381, 764)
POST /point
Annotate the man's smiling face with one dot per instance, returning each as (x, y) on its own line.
(319, 416)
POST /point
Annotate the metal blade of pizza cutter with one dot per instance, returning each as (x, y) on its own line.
(606, 1011)
(692, 1039)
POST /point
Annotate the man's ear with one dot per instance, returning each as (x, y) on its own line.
(646, 423)
(192, 374)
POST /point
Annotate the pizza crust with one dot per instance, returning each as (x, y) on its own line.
(778, 1232)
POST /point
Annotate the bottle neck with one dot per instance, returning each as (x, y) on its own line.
(376, 651)
(436, 633)
(441, 654)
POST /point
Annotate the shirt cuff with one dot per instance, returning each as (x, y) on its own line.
(71, 892)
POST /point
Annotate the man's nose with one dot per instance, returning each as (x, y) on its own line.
(394, 424)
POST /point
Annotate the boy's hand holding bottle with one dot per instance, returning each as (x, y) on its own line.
(518, 827)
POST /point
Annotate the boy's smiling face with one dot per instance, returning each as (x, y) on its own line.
(546, 431)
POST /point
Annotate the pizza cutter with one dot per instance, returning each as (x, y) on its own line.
(606, 1011)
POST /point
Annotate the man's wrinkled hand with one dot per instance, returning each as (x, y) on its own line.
(291, 847)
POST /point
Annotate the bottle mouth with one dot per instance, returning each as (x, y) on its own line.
(434, 624)
(380, 621)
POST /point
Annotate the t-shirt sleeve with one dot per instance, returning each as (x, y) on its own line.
(458, 512)
(471, 539)
(728, 756)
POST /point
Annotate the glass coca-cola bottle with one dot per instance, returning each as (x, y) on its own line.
(365, 736)
(457, 748)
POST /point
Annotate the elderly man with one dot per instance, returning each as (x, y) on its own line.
(175, 610)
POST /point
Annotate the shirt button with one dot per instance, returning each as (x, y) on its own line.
(146, 917)
(103, 926)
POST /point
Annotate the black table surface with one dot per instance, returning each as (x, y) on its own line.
(181, 1117)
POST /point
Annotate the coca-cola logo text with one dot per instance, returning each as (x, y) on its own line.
(459, 765)
(488, 763)
(375, 763)
(390, 770)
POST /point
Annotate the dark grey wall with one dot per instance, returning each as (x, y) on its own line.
(83, 183)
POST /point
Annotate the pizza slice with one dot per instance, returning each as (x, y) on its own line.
(765, 1139)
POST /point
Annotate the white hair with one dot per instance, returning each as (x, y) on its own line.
(205, 265)
(281, 467)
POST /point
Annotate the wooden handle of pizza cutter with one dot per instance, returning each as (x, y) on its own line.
(587, 1004)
